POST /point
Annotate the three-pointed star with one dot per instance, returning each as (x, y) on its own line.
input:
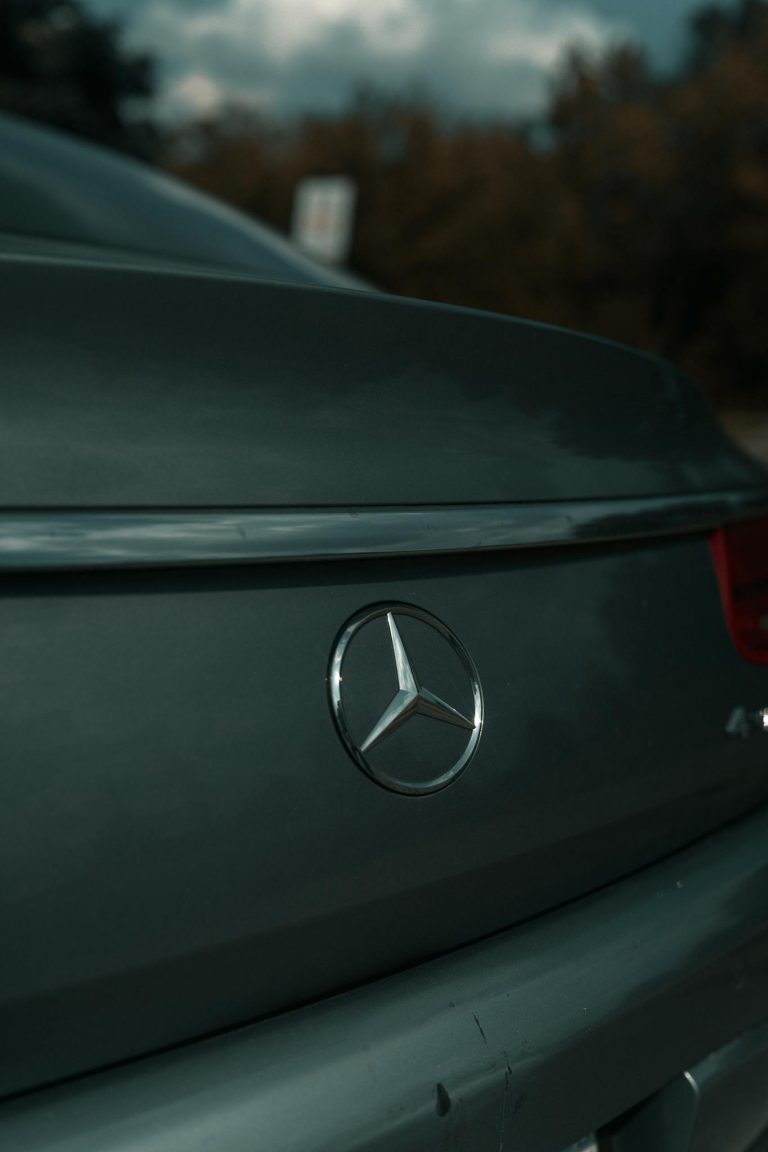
(410, 699)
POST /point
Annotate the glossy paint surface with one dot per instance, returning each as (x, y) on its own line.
(57, 540)
(56, 188)
(525, 1041)
(162, 390)
(185, 843)
(179, 815)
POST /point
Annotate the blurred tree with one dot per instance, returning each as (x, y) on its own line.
(713, 29)
(639, 211)
(61, 65)
(673, 179)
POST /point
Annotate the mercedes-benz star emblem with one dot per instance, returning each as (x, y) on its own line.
(406, 698)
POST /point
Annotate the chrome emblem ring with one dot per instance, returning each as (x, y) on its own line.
(418, 716)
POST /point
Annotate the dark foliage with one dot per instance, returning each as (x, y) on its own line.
(60, 65)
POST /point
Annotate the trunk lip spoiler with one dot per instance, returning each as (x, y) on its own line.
(98, 538)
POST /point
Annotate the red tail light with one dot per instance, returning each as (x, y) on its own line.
(741, 561)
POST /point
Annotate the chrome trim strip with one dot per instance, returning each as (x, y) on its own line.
(83, 539)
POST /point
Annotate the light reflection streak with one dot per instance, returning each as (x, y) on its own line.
(94, 538)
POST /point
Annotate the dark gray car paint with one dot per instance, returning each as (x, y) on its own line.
(126, 388)
(179, 816)
(57, 188)
(526, 1041)
(177, 812)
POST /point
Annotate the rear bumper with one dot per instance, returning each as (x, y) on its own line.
(535, 1036)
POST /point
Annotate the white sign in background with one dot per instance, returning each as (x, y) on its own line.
(324, 217)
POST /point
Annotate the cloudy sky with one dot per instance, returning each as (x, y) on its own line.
(477, 56)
